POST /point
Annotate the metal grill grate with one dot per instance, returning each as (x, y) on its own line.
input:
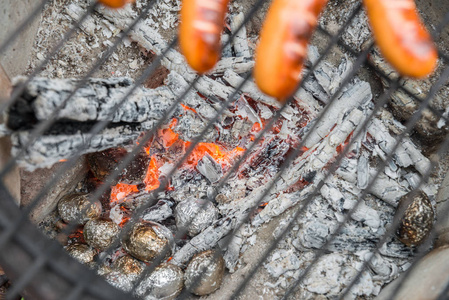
(41, 265)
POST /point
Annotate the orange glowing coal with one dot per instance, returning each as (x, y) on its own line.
(121, 190)
(152, 178)
(124, 221)
(168, 137)
(188, 108)
(219, 154)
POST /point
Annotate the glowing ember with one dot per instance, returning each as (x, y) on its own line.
(341, 147)
(121, 190)
(256, 127)
(152, 178)
(188, 108)
(168, 138)
(124, 221)
(77, 236)
(220, 155)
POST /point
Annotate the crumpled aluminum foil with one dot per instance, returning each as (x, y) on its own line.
(78, 209)
(100, 233)
(195, 215)
(146, 240)
(125, 272)
(81, 252)
(166, 283)
(204, 274)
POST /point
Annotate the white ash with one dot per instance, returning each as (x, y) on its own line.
(240, 42)
(43, 152)
(164, 13)
(337, 12)
(210, 168)
(95, 101)
(116, 214)
(161, 211)
(77, 55)
(328, 77)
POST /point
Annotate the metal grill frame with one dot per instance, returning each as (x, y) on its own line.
(42, 266)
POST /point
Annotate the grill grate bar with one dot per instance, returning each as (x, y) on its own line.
(20, 284)
(421, 250)
(10, 164)
(42, 192)
(383, 100)
(384, 75)
(43, 126)
(168, 176)
(321, 252)
(287, 162)
(440, 82)
(82, 285)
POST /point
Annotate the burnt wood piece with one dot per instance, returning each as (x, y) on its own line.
(93, 101)
(103, 163)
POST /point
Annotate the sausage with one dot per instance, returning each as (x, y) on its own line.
(114, 3)
(283, 45)
(202, 22)
(402, 37)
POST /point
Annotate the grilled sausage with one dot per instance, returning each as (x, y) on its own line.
(202, 22)
(402, 37)
(114, 3)
(283, 45)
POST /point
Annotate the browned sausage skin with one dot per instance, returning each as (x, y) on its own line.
(402, 37)
(202, 22)
(283, 45)
(115, 3)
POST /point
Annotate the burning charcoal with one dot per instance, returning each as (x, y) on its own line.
(166, 282)
(125, 271)
(100, 233)
(147, 240)
(195, 215)
(77, 208)
(105, 162)
(417, 221)
(209, 269)
(210, 168)
(81, 252)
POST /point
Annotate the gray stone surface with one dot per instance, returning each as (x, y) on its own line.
(427, 280)
(442, 207)
(33, 182)
(13, 62)
(12, 14)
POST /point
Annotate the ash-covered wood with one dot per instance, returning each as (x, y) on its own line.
(93, 101)
(51, 148)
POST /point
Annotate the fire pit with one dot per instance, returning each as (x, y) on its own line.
(180, 185)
